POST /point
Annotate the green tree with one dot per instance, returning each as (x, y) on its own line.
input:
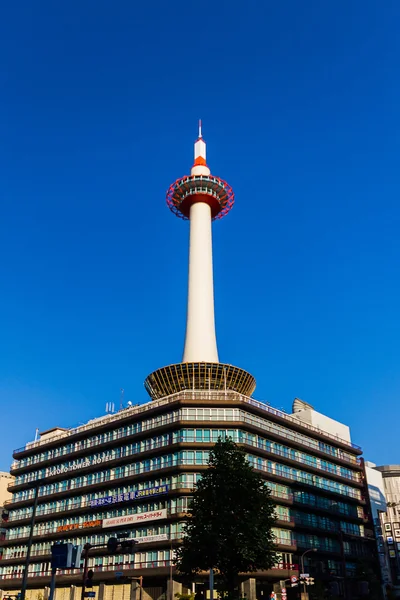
(231, 519)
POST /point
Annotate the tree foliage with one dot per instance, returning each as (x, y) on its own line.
(231, 519)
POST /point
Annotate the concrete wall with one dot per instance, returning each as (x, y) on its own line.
(5, 480)
(324, 423)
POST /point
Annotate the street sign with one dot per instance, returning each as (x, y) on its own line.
(293, 579)
(283, 590)
(90, 594)
(304, 575)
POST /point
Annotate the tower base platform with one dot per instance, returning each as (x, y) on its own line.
(198, 376)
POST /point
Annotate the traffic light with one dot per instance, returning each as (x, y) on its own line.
(89, 578)
(61, 556)
(112, 545)
(128, 545)
(123, 534)
(76, 557)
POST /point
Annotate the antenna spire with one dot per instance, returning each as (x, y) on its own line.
(200, 135)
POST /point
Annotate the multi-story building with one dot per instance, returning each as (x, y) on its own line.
(384, 483)
(135, 470)
(5, 480)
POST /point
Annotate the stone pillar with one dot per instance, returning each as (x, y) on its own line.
(102, 592)
(138, 593)
(134, 595)
(73, 593)
(173, 587)
(249, 589)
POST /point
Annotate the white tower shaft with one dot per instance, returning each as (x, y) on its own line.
(200, 342)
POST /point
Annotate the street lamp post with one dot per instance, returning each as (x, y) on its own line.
(305, 594)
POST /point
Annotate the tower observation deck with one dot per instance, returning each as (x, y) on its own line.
(200, 198)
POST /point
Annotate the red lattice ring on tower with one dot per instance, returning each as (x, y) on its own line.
(200, 188)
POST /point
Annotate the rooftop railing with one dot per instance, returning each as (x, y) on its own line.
(171, 418)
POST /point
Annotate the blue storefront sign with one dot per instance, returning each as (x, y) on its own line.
(146, 493)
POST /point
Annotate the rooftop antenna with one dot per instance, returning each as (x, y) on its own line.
(200, 135)
(121, 403)
(36, 434)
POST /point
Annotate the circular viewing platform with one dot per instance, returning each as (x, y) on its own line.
(214, 191)
(198, 376)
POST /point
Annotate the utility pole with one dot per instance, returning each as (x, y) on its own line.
(24, 584)
(52, 583)
(304, 595)
(86, 548)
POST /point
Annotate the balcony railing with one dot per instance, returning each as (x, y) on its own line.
(140, 469)
(260, 444)
(86, 503)
(155, 564)
(88, 444)
(331, 488)
(280, 541)
(192, 395)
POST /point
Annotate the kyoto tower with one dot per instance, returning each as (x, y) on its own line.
(200, 198)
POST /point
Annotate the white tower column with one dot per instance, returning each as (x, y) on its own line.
(200, 341)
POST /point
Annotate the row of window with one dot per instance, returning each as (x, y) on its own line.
(152, 559)
(99, 459)
(191, 414)
(176, 505)
(173, 531)
(317, 521)
(173, 506)
(183, 480)
(218, 414)
(170, 529)
(186, 457)
(137, 561)
(101, 438)
(302, 476)
(328, 504)
(239, 436)
(199, 457)
(188, 435)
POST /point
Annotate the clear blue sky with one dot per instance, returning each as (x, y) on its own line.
(98, 112)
